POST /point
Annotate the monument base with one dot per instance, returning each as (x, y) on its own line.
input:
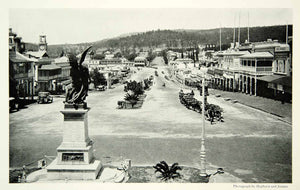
(73, 172)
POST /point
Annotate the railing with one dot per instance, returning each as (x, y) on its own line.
(49, 77)
(264, 69)
(258, 70)
(248, 68)
(23, 75)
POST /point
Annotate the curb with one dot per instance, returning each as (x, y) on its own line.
(279, 117)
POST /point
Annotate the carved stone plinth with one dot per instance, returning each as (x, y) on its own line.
(75, 158)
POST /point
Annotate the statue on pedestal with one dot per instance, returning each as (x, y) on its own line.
(80, 80)
(75, 157)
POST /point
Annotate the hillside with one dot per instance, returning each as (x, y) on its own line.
(190, 38)
(176, 39)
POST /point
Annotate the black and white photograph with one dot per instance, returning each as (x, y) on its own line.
(159, 95)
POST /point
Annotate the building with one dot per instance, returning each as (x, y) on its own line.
(42, 52)
(21, 75)
(260, 69)
(64, 82)
(140, 62)
(225, 73)
(253, 66)
(36, 54)
(48, 75)
(15, 42)
(112, 61)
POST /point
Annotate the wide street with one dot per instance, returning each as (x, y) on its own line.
(252, 145)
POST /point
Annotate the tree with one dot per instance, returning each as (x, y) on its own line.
(118, 55)
(130, 56)
(99, 56)
(98, 78)
(150, 56)
(164, 55)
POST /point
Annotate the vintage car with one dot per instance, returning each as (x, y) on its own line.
(13, 104)
(101, 88)
(45, 97)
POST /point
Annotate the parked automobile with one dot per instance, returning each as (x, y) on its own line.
(101, 88)
(13, 104)
(45, 97)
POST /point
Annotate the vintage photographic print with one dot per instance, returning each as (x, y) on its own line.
(150, 95)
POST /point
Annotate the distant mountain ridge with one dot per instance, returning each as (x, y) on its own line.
(180, 38)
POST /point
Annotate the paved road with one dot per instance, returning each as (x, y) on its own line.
(250, 144)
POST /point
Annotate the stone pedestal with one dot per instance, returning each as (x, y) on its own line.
(75, 158)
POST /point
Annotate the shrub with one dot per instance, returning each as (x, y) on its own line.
(166, 171)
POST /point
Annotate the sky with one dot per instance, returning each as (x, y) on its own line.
(88, 25)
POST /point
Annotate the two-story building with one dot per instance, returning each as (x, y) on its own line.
(20, 75)
(64, 82)
(20, 69)
(253, 66)
(225, 75)
(48, 75)
(140, 62)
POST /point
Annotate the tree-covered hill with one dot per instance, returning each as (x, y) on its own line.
(190, 38)
(177, 39)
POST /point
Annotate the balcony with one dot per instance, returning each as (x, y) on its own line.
(23, 75)
(47, 78)
(258, 70)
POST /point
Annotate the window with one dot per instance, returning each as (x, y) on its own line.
(281, 66)
(264, 63)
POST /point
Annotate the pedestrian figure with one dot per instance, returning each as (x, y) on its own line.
(282, 97)
(24, 174)
(211, 115)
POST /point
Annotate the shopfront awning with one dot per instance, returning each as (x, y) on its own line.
(228, 76)
(285, 81)
(269, 78)
(277, 82)
(218, 71)
(211, 72)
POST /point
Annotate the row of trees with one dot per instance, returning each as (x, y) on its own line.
(212, 111)
(135, 92)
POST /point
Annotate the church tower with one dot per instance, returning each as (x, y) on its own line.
(43, 43)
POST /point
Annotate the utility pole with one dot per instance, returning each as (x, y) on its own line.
(248, 29)
(287, 33)
(239, 29)
(220, 38)
(234, 32)
(202, 150)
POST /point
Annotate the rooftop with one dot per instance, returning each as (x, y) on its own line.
(49, 67)
(140, 59)
(258, 55)
(63, 59)
(36, 54)
(21, 58)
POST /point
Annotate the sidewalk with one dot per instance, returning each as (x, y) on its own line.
(274, 107)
